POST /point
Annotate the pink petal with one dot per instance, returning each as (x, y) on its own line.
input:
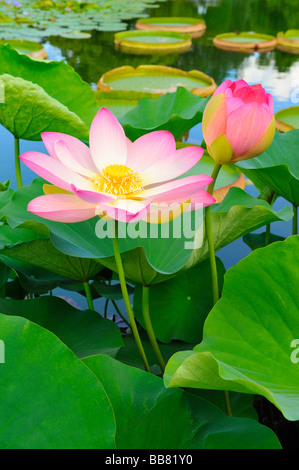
(54, 171)
(223, 87)
(150, 149)
(179, 190)
(173, 165)
(78, 149)
(124, 210)
(93, 197)
(61, 208)
(245, 126)
(66, 157)
(214, 118)
(108, 143)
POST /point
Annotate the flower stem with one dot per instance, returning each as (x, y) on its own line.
(267, 234)
(149, 327)
(295, 220)
(209, 235)
(125, 294)
(17, 163)
(120, 314)
(88, 295)
(215, 286)
(227, 403)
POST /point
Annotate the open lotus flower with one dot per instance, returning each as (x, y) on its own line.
(114, 176)
(238, 122)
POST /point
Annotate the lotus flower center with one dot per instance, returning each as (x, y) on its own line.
(118, 180)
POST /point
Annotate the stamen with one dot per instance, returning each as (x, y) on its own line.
(118, 180)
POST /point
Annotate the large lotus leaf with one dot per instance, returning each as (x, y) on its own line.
(84, 332)
(49, 398)
(158, 419)
(26, 257)
(54, 78)
(278, 167)
(148, 259)
(37, 113)
(175, 112)
(247, 336)
(179, 306)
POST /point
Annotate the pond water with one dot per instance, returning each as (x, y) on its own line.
(277, 71)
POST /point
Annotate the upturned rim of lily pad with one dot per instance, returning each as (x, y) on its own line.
(196, 27)
(267, 43)
(123, 43)
(143, 70)
(287, 42)
(38, 51)
(280, 123)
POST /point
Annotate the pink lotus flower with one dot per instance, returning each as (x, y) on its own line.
(114, 176)
(238, 122)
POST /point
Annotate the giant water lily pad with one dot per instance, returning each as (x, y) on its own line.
(278, 167)
(50, 399)
(120, 102)
(156, 79)
(193, 26)
(287, 119)
(30, 48)
(288, 41)
(248, 335)
(152, 42)
(245, 42)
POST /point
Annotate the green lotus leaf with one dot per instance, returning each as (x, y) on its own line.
(278, 167)
(248, 335)
(50, 399)
(85, 332)
(159, 418)
(41, 88)
(175, 112)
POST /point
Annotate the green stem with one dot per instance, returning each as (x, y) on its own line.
(215, 286)
(18, 163)
(149, 327)
(267, 234)
(88, 295)
(125, 294)
(295, 220)
(209, 235)
(120, 314)
(227, 403)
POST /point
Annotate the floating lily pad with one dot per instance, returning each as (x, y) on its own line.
(193, 26)
(75, 35)
(27, 47)
(287, 119)
(152, 42)
(156, 79)
(120, 102)
(245, 42)
(288, 41)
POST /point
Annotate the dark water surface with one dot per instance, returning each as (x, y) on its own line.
(277, 71)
